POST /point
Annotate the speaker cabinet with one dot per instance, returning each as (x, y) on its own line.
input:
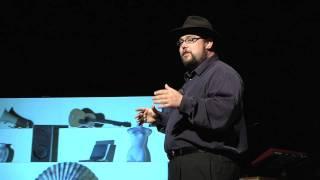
(45, 143)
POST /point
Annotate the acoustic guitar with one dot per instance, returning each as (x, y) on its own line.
(86, 118)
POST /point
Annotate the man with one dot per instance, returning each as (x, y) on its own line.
(203, 121)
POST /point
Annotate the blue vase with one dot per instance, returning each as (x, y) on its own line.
(139, 151)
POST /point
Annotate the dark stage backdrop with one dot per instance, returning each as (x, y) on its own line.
(79, 48)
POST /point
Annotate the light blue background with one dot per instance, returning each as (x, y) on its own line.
(76, 143)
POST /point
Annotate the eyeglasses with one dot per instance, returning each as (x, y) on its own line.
(188, 40)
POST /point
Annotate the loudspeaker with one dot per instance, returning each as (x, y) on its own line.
(45, 143)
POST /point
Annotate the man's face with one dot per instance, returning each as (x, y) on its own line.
(192, 49)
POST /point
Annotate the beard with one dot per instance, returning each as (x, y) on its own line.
(190, 62)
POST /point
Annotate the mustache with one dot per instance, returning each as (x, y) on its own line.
(185, 52)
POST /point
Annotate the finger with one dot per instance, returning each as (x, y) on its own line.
(158, 97)
(140, 122)
(139, 116)
(163, 105)
(145, 115)
(156, 101)
(155, 109)
(161, 91)
(161, 101)
(166, 86)
(140, 109)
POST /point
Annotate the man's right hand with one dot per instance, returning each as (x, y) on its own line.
(147, 115)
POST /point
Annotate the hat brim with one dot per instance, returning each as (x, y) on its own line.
(203, 32)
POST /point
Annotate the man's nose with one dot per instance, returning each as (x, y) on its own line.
(184, 45)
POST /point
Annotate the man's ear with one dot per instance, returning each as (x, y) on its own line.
(209, 45)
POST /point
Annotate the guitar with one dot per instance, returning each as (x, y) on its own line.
(86, 118)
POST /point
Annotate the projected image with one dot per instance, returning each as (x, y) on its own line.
(67, 171)
(103, 151)
(100, 133)
(86, 118)
(11, 119)
(6, 152)
(139, 151)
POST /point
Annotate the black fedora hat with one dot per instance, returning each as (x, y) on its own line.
(195, 25)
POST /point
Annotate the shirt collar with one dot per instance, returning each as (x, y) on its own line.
(201, 68)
